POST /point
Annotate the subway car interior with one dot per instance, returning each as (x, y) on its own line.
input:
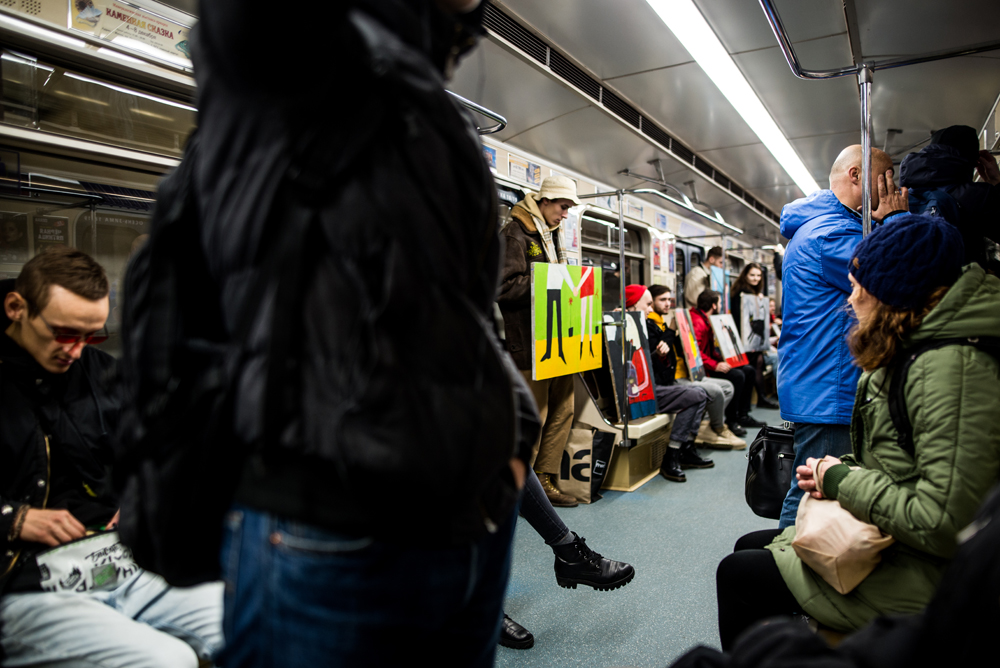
(684, 124)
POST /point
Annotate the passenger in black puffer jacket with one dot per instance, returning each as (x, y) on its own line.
(949, 163)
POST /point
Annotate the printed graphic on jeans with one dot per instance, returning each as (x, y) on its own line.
(95, 562)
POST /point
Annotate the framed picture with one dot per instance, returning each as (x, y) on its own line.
(729, 342)
(637, 392)
(692, 356)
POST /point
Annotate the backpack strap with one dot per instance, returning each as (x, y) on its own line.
(901, 369)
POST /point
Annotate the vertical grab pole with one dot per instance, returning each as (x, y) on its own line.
(621, 272)
(865, 84)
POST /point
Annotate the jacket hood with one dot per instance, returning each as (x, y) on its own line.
(934, 166)
(801, 211)
(523, 216)
(970, 308)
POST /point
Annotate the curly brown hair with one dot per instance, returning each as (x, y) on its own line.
(875, 343)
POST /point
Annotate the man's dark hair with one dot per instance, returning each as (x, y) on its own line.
(66, 267)
(714, 251)
(657, 290)
(706, 299)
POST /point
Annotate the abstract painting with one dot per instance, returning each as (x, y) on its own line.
(729, 342)
(692, 356)
(565, 319)
(755, 316)
(638, 376)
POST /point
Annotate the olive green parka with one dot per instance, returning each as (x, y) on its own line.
(953, 401)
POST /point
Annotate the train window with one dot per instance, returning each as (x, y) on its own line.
(611, 275)
(47, 200)
(46, 97)
(604, 234)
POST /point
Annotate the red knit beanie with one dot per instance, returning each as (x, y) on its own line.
(633, 293)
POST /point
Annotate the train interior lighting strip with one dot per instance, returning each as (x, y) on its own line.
(131, 91)
(689, 26)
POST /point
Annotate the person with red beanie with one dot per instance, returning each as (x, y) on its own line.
(686, 401)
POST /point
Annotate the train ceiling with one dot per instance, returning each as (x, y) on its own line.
(627, 49)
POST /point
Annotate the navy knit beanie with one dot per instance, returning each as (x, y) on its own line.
(902, 261)
(962, 138)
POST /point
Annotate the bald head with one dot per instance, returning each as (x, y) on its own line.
(845, 176)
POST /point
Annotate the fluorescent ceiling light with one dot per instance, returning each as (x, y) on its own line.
(129, 91)
(690, 27)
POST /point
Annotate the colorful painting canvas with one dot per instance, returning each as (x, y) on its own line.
(729, 342)
(565, 319)
(638, 376)
(692, 356)
(755, 316)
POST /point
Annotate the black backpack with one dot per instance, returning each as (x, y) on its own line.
(179, 462)
(901, 369)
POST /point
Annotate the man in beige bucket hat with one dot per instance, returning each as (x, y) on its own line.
(532, 236)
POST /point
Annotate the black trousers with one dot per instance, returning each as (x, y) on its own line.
(742, 378)
(750, 588)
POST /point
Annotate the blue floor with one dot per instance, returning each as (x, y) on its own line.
(674, 534)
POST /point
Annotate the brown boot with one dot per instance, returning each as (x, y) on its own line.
(556, 498)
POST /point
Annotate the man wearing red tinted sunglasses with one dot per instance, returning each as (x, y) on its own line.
(58, 423)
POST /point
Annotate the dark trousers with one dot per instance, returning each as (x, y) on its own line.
(538, 511)
(742, 378)
(750, 588)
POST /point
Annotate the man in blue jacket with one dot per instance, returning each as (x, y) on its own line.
(818, 376)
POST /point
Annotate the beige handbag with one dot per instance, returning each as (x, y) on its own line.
(842, 549)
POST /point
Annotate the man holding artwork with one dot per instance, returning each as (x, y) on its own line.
(686, 401)
(533, 236)
(720, 391)
(742, 377)
(818, 376)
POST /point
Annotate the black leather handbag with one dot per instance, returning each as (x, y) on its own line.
(769, 471)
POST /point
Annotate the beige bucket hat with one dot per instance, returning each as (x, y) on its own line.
(558, 187)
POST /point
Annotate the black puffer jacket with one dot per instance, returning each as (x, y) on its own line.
(409, 406)
(940, 166)
(664, 368)
(56, 445)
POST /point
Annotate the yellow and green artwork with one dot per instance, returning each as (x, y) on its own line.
(566, 319)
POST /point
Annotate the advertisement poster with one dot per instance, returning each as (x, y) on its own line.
(13, 238)
(729, 343)
(661, 222)
(491, 157)
(692, 356)
(670, 257)
(638, 376)
(656, 254)
(520, 169)
(134, 27)
(756, 318)
(633, 210)
(50, 231)
(565, 319)
(609, 202)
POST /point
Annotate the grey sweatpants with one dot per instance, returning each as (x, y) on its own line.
(688, 402)
(720, 393)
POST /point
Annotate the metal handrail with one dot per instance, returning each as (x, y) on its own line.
(479, 109)
(686, 204)
(793, 62)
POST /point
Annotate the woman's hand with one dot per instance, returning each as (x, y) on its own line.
(811, 481)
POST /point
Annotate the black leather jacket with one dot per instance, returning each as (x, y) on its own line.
(56, 441)
(409, 409)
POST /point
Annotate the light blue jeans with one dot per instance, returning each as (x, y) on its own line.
(812, 440)
(142, 623)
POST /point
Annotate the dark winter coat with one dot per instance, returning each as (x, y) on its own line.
(940, 166)
(522, 247)
(409, 409)
(664, 368)
(56, 441)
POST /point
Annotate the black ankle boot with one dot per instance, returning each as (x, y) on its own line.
(578, 564)
(690, 459)
(514, 635)
(671, 466)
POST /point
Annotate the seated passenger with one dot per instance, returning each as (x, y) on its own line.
(57, 428)
(742, 378)
(947, 164)
(952, 398)
(713, 432)
(687, 401)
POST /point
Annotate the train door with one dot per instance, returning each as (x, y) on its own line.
(687, 256)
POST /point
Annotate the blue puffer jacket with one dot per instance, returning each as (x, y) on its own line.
(818, 378)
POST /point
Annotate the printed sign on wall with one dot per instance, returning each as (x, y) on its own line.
(491, 157)
(49, 231)
(13, 237)
(656, 254)
(565, 319)
(661, 222)
(131, 26)
(520, 169)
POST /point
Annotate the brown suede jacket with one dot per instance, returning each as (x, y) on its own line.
(522, 246)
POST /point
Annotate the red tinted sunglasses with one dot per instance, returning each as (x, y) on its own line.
(64, 335)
